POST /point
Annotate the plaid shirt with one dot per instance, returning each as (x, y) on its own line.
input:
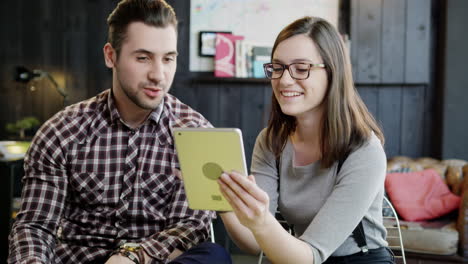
(91, 183)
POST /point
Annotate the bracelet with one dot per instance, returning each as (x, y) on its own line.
(130, 256)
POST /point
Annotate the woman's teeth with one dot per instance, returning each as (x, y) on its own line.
(290, 94)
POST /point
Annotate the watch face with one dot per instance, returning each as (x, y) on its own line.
(131, 246)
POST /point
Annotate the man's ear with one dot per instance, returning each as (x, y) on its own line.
(110, 55)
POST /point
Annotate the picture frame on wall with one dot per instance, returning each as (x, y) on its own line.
(207, 43)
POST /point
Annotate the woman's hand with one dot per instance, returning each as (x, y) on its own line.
(249, 202)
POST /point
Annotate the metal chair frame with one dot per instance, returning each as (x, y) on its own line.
(390, 232)
(394, 216)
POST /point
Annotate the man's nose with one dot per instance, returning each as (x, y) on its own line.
(157, 72)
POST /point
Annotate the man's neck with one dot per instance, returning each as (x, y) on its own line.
(131, 114)
(133, 118)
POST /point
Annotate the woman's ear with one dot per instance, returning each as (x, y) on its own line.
(110, 56)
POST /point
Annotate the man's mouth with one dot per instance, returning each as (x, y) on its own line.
(153, 92)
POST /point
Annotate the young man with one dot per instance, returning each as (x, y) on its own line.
(100, 182)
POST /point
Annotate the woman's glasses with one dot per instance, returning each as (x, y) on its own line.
(298, 71)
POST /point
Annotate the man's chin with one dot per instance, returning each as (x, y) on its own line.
(150, 104)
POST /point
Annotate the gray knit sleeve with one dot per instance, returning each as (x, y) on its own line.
(264, 169)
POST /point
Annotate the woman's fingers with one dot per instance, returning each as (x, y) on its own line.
(249, 202)
(252, 178)
(249, 185)
(233, 199)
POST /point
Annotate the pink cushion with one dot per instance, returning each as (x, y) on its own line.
(420, 195)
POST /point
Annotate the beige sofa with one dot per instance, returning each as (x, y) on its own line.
(442, 240)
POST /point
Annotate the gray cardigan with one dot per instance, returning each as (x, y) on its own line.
(324, 207)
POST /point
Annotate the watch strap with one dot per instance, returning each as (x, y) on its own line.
(130, 256)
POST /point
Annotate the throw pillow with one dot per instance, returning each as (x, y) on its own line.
(420, 195)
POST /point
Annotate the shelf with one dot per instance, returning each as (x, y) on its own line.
(212, 79)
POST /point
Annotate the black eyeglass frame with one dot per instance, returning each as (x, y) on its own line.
(287, 66)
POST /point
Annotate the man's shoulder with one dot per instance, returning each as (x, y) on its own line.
(182, 115)
(76, 117)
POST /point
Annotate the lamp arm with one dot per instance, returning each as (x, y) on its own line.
(59, 89)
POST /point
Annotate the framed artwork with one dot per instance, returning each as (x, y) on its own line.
(207, 43)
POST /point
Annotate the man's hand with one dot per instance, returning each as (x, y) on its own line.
(178, 174)
(119, 259)
(175, 254)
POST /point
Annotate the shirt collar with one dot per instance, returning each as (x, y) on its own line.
(155, 115)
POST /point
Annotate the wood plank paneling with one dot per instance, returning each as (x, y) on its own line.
(230, 106)
(355, 28)
(75, 55)
(412, 121)
(418, 29)
(369, 95)
(393, 41)
(52, 33)
(252, 110)
(99, 76)
(208, 103)
(268, 93)
(368, 41)
(389, 117)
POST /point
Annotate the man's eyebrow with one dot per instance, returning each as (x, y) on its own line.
(143, 51)
(170, 53)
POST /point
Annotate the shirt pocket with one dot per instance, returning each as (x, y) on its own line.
(158, 191)
(89, 189)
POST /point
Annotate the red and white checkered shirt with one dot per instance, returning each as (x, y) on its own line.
(91, 183)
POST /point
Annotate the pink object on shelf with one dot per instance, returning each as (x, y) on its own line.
(225, 56)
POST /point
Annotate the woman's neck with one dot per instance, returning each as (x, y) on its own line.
(306, 140)
(308, 127)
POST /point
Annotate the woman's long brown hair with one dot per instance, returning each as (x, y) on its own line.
(346, 123)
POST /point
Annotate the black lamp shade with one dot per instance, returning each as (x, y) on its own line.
(24, 75)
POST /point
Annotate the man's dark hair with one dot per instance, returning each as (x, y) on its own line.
(156, 13)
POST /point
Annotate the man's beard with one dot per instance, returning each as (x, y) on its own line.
(133, 96)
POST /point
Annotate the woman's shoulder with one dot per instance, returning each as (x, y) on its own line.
(371, 151)
(372, 145)
(261, 145)
(262, 138)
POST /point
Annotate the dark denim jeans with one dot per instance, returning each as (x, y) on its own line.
(205, 253)
(381, 255)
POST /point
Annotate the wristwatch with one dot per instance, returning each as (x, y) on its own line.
(127, 249)
(132, 247)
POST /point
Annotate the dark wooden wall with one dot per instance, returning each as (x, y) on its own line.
(392, 52)
(455, 81)
(64, 38)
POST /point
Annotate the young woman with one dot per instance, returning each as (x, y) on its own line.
(320, 161)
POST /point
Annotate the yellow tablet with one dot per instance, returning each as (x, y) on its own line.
(204, 153)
